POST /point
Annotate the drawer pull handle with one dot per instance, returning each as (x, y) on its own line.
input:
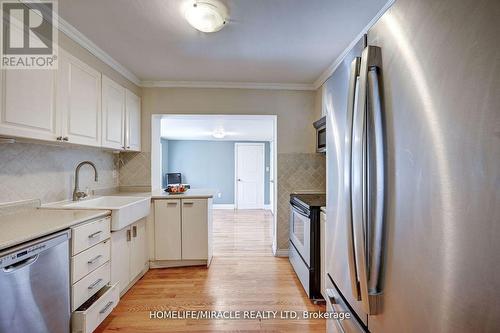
(95, 234)
(93, 260)
(93, 285)
(104, 309)
(188, 203)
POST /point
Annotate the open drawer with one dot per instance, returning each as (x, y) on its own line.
(91, 313)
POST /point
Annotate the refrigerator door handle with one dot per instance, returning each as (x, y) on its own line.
(376, 184)
(352, 98)
(361, 178)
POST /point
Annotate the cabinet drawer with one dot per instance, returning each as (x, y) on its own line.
(90, 234)
(90, 314)
(87, 261)
(89, 285)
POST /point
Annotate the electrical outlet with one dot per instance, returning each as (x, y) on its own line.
(219, 195)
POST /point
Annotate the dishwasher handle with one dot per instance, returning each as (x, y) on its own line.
(20, 264)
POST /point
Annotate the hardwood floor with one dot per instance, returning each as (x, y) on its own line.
(243, 276)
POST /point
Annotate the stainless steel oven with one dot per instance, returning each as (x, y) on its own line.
(304, 252)
(300, 232)
(320, 127)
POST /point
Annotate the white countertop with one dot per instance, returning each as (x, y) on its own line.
(192, 193)
(29, 224)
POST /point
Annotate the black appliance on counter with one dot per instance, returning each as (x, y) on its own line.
(304, 252)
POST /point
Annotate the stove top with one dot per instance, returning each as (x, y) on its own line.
(309, 200)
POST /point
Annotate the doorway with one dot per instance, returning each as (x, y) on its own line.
(249, 175)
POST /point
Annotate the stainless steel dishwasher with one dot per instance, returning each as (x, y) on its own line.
(34, 286)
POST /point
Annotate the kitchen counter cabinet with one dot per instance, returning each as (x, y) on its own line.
(183, 232)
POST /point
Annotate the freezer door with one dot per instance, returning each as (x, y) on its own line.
(339, 246)
(441, 91)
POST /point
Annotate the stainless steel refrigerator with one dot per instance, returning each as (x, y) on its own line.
(413, 172)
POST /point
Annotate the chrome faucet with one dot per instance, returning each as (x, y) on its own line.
(77, 194)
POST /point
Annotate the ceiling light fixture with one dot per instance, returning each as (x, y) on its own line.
(206, 15)
(219, 133)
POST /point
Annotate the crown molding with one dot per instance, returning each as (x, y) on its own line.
(87, 44)
(227, 85)
(78, 37)
(329, 71)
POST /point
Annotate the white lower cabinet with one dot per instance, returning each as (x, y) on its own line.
(183, 229)
(95, 310)
(129, 255)
(194, 229)
(168, 235)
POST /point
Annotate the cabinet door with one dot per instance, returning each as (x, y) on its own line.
(80, 101)
(113, 114)
(120, 257)
(133, 121)
(167, 229)
(194, 229)
(138, 255)
(28, 104)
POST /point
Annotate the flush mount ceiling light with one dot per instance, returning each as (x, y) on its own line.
(206, 15)
(219, 133)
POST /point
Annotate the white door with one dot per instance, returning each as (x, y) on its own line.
(133, 121)
(138, 253)
(194, 229)
(168, 236)
(113, 114)
(120, 257)
(249, 175)
(28, 107)
(80, 101)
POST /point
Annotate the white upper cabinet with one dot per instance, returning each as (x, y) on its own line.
(74, 104)
(113, 114)
(28, 107)
(132, 121)
(79, 101)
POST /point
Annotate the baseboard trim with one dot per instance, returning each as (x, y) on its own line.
(223, 206)
(281, 253)
(176, 263)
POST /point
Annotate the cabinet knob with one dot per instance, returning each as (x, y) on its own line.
(65, 138)
(128, 147)
(59, 138)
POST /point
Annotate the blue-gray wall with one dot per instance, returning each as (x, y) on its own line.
(207, 164)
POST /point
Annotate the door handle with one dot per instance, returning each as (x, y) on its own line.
(376, 184)
(106, 307)
(362, 178)
(129, 235)
(95, 234)
(93, 260)
(20, 264)
(134, 231)
(351, 109)
(95, 284)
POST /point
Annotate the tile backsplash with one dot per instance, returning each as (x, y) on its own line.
(296, 172)
(46, 172)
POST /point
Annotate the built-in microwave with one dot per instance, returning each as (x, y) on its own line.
(320, 126)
